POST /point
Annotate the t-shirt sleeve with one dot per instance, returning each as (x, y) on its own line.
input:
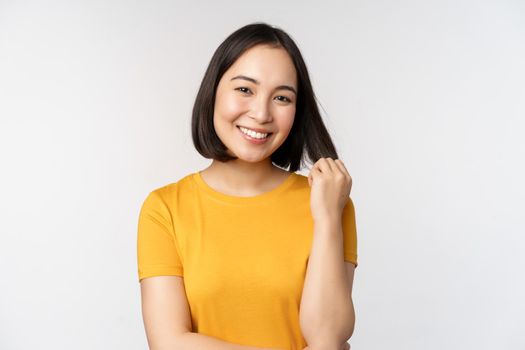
(157, 249)
(349, 233)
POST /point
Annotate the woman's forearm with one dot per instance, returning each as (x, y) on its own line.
(326, 312)
(190, 341)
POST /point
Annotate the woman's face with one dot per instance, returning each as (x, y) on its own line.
(257, 92)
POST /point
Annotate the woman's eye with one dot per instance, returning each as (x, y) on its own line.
(241, 89)
(285, 99)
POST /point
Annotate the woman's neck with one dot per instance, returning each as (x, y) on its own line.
(241, 178)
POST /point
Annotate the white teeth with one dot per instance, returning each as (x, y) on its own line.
(253, 134)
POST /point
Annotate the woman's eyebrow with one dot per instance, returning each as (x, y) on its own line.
(280, 87)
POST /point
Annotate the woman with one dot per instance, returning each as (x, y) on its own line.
(245, 254)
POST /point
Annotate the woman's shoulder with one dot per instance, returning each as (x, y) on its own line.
(301, 176)
(170, 189)
(301, 180)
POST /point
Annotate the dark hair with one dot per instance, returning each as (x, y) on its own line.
(308, 130)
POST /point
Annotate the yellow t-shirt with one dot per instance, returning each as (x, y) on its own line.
(243, 259)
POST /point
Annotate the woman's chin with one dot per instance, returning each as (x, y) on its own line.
(250, 157)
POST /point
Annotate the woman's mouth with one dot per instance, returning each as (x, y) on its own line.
(252, 136)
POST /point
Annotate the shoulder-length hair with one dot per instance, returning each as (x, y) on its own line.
(308, 132)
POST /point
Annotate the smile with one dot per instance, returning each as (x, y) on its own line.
(254, 137)
(253, 134)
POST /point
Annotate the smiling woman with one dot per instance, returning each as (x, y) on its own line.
(260, 100)
(229, 255)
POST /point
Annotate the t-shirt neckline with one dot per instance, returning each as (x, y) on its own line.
(263, 197)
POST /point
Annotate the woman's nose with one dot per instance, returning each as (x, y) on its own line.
(261, 110)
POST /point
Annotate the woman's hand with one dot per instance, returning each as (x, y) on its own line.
(346, 346)
(330, 185)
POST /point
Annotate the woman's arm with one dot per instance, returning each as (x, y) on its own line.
(200, 341)
(327, 314)
(345, 346)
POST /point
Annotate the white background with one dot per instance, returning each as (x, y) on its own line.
(425, 101)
